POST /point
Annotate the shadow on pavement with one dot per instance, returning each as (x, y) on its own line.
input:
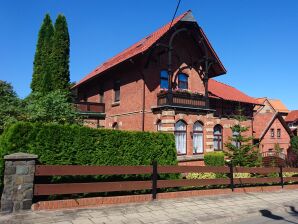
(293, 210)
(268, 214)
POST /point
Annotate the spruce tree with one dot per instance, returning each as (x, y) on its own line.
(239, 148)
(60, 55)
(42, 59)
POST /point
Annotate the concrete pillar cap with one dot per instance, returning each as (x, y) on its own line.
(20, 156)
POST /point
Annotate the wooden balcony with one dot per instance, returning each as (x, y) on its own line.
(182, 99)
(90, 108)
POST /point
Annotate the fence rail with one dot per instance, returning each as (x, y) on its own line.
(154, 183)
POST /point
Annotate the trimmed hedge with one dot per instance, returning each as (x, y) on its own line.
(76, 145)
(214, 159)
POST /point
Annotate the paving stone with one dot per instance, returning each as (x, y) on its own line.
(189, 210)
(82, 221)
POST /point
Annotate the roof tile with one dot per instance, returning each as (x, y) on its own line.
(230, 93)
(261, 122)
(141, 47)
(292, 116)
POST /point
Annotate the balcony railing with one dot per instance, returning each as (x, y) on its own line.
(182, 99)
(274, 154)
(90, 107)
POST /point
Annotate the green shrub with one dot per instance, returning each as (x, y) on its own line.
(242, 175)
(192, 176)
(289, 174)
(214, 159)
(76, 145)
(294, 144)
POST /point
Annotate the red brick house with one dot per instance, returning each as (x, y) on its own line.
(272, 133)
(165, 83)
(292, 121)
(271, 106)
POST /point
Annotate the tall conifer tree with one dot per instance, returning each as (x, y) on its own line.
(41, 80)
(60, 55)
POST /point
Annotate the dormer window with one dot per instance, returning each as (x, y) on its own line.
(182, 81)
(164, 79)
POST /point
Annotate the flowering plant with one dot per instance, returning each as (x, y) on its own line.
(178, 90)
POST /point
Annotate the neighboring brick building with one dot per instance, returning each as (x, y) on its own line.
(292, 121)
(273, 135)
(164, 83)
(271, 106)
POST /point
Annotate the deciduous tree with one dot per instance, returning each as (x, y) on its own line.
(10, 109)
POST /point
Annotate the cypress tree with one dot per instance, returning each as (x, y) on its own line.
(60, 55)
(42, 59)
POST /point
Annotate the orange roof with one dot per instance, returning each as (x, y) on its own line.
(142, 46)
(278, 105)
(226, 92)
(261, 100)
(261, 122)
(292, 116)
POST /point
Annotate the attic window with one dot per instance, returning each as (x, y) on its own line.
(272, 132)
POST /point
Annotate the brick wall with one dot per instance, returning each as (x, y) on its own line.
(268, 142)
(139, 81)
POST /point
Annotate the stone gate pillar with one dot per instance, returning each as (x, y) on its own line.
(18, 182)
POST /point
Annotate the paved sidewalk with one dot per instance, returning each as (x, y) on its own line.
(213, 209)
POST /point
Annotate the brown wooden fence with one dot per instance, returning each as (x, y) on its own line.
(154, 183)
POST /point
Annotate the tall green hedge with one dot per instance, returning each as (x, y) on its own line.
(214, 159)
(76, 145)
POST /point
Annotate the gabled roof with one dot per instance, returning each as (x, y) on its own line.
(276, 104)
(292, 116)
(261, 100)
(226, 92)
(144, 44)
(263, 121)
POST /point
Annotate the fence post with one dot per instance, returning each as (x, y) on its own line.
(154, 179)
(281, 177)
(231, 177)
(18, 182)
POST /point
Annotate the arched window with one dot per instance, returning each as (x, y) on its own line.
(115, 126)
(182, 81)
(164, 79)
(198, 136)
(180, 137)
(158, 125)
(217, 140)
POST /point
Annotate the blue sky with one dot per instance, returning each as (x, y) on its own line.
(257, 41)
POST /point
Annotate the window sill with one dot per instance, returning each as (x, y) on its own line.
(117, 103)
(185, 158)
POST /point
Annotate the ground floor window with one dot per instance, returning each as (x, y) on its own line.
(217, 140)
(180, 137)
(198, 138)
